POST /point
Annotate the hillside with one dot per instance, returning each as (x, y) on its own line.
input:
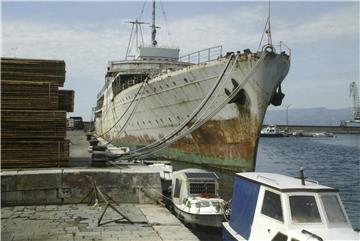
(311, 116)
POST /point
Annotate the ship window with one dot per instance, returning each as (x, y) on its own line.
(167, 86)
(170, 119)
(279, 237)
(304, 209)
(162, 120)
(149, 122)
(178, 117)
(161, 87)
(272, 206)
(185, 79)
(177, 188)
(157, 121)
(197, 188)
(333, 209)
(144, 122)
(174, 83)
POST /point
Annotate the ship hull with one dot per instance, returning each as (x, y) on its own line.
(228, 140)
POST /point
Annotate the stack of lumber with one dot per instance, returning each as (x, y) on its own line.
(33, 113)
(33, 70)
(29, 95)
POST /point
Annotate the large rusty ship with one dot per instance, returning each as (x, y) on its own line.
(206, 107)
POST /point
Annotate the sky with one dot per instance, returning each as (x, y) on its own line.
(323, 37)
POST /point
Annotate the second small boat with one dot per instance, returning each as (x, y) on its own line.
(195, 198)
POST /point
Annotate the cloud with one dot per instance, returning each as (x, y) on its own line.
(87, 47)
(340, 23)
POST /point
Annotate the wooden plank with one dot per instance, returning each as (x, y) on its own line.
(33, 70)
(29, 95)
(33, 124)
(34, 153)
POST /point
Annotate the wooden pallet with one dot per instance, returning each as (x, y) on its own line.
(29, 95)
(66, 100)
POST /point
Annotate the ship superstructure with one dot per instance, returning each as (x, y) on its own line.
(206, 107)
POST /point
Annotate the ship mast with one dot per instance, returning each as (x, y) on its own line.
(153, 26)
(137, 25)
(268, 31)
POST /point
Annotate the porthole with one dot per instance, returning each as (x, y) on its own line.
(170, 119)
(186, 81)
(167, 86)
(162, 120)
(174, 83)
(178, 117)
(144, 122)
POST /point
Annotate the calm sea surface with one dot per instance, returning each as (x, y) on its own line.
(333, 162)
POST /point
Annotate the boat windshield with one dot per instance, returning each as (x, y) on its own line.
(333, 210)
(304, 209)
(201, 204)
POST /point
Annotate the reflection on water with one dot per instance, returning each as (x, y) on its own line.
(332, 162)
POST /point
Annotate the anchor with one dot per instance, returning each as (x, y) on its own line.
(240, 97)
(277, 98)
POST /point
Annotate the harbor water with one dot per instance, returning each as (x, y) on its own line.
(333, 162)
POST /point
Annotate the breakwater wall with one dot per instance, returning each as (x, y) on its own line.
(333, 129)
(69, 186)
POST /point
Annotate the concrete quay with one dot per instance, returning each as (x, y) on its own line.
(79, 223)
(52, 203)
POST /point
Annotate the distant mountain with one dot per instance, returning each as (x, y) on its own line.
(312, 116)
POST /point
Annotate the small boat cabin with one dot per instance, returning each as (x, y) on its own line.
(275, 207)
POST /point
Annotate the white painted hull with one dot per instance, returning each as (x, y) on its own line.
(206, 220)
(227, 140)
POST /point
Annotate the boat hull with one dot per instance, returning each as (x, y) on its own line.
(228, 234)
(206, 220)
(228, 140)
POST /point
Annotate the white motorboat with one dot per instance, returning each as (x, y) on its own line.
(271, 131)
(195, 197)
(275, 207)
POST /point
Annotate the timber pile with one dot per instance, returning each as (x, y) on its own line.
(29, 95)
(52, 71)
(33, 120)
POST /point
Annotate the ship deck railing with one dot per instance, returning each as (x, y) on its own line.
(204, 55)
(284, 48)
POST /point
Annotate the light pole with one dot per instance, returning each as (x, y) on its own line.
(287, 115)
